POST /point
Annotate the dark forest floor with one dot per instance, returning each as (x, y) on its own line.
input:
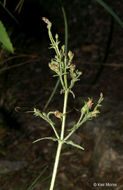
(29, 85)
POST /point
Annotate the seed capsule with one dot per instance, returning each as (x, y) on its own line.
(58, 114)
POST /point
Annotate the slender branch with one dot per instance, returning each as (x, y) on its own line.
(54, 131)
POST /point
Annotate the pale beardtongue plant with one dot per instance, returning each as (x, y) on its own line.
(63, 67)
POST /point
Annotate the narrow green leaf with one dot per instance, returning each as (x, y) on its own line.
(108, 9)
(46, 138)
(4, 38)
(73, 144)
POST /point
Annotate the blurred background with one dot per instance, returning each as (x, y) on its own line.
(26, 82)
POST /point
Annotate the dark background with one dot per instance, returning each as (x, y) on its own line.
(26, 82)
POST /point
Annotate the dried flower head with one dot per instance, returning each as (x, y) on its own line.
(90, 103)
(54, 66)
(58, 114)
(94, 115)
(46, 20)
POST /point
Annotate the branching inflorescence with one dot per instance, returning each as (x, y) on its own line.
(63, 67)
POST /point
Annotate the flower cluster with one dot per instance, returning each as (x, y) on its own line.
(87, 112)
(62, 64)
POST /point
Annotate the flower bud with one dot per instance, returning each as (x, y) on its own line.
(58, 114)
(70, 54)
(101, 95)
(84, 109)
(56, 37)
(90, 103)
(54, 66)
(63, 48)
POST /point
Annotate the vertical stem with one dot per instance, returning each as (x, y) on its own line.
(64, 114)
(64, 107)
(56, 165)
(59, 143)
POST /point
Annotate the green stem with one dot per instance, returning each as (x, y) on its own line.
(64, 114)
(54, 131)
(60, 142)
(53, 42)
(68, 136)
(56, 165)
(62, 83)
(65, 73)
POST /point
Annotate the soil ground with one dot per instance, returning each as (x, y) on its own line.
(27, 83)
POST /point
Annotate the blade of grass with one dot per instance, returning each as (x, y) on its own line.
(19, 6)
(4, 2)
(45, 179)
(109, 10)
(33, 185)
(9, 13)
(66, 28)
(52, 94)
